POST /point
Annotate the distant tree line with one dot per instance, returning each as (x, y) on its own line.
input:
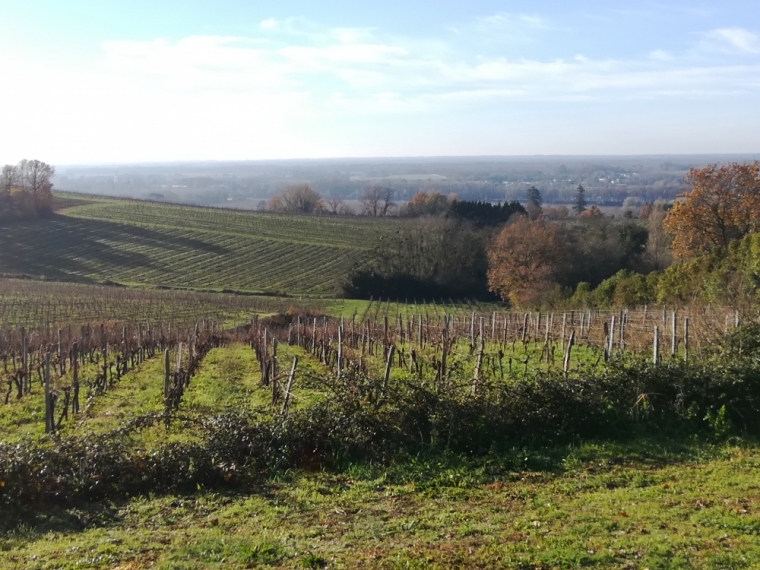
(485, 213)
(425, 258)
(524, 255)
(26, 190)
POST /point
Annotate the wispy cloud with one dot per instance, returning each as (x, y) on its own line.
(736, 40)
(505, 27)
(661, 55)
(360, 64)
(291, 72)
(509, 22)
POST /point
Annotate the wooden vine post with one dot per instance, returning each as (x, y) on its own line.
(286, 399)
(611, 335)
(27, 380)
(656, 346)
(49, 425)
(568, 350)
(167, 373)
(388, 365)
(340, 346)
(75, 377)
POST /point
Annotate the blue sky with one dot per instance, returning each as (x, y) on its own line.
(123, 81)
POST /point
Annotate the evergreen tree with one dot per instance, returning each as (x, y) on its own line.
(534, 197)
(580, 200)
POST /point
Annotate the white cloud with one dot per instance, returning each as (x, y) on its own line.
(660, 55)
(509, 23)
(361, 71)
(734, 39)
(273, 94)
(352, 35)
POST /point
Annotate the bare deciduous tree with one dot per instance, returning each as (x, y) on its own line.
(386, 197)
(336, 206)
(658, 244)
(378, 200)
(27, 189)
(37, 175)
(7, 179)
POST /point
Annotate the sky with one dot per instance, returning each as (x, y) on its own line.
(118, 81)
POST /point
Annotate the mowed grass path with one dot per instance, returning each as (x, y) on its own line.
(142, 243)
(227, 379)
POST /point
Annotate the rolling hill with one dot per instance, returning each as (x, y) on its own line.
(102, 240)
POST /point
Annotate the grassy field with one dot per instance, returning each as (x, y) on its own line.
(98, 240)
(660, 505)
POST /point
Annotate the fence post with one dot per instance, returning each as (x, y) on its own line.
(445, 349)
(623, 322)
(673, 342)
(60, 360)
(612, 335)
(340, 345)
(286, 400)
(75, 376)
(686, 339)
(656, 346)
(568, 350)
(167, 373)
(388, 365)
(48, 407)
(25, 365)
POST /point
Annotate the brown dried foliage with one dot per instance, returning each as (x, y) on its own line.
(723, 205)
(522, 261)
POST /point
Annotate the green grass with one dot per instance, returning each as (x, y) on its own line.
(24, 418)
(678, 508)
(227, 379)
(140, 243)
(139, 392)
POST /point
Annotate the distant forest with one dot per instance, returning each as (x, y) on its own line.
(608, 180)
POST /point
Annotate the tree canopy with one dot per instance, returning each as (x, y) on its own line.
(484, 213)
(523, 261)
(723, 205)
(580, 200)
(296, 199)
(26, 190)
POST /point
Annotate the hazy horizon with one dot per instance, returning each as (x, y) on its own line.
(742, 156)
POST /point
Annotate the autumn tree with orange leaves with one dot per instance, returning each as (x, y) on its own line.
(723, 205)
(523, 260)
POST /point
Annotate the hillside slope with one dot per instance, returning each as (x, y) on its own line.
(96, 240)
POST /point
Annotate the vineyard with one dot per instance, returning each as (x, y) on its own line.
(149, 404)
(169, 426)
(51, 368)
(95, 240)
(35, 304)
